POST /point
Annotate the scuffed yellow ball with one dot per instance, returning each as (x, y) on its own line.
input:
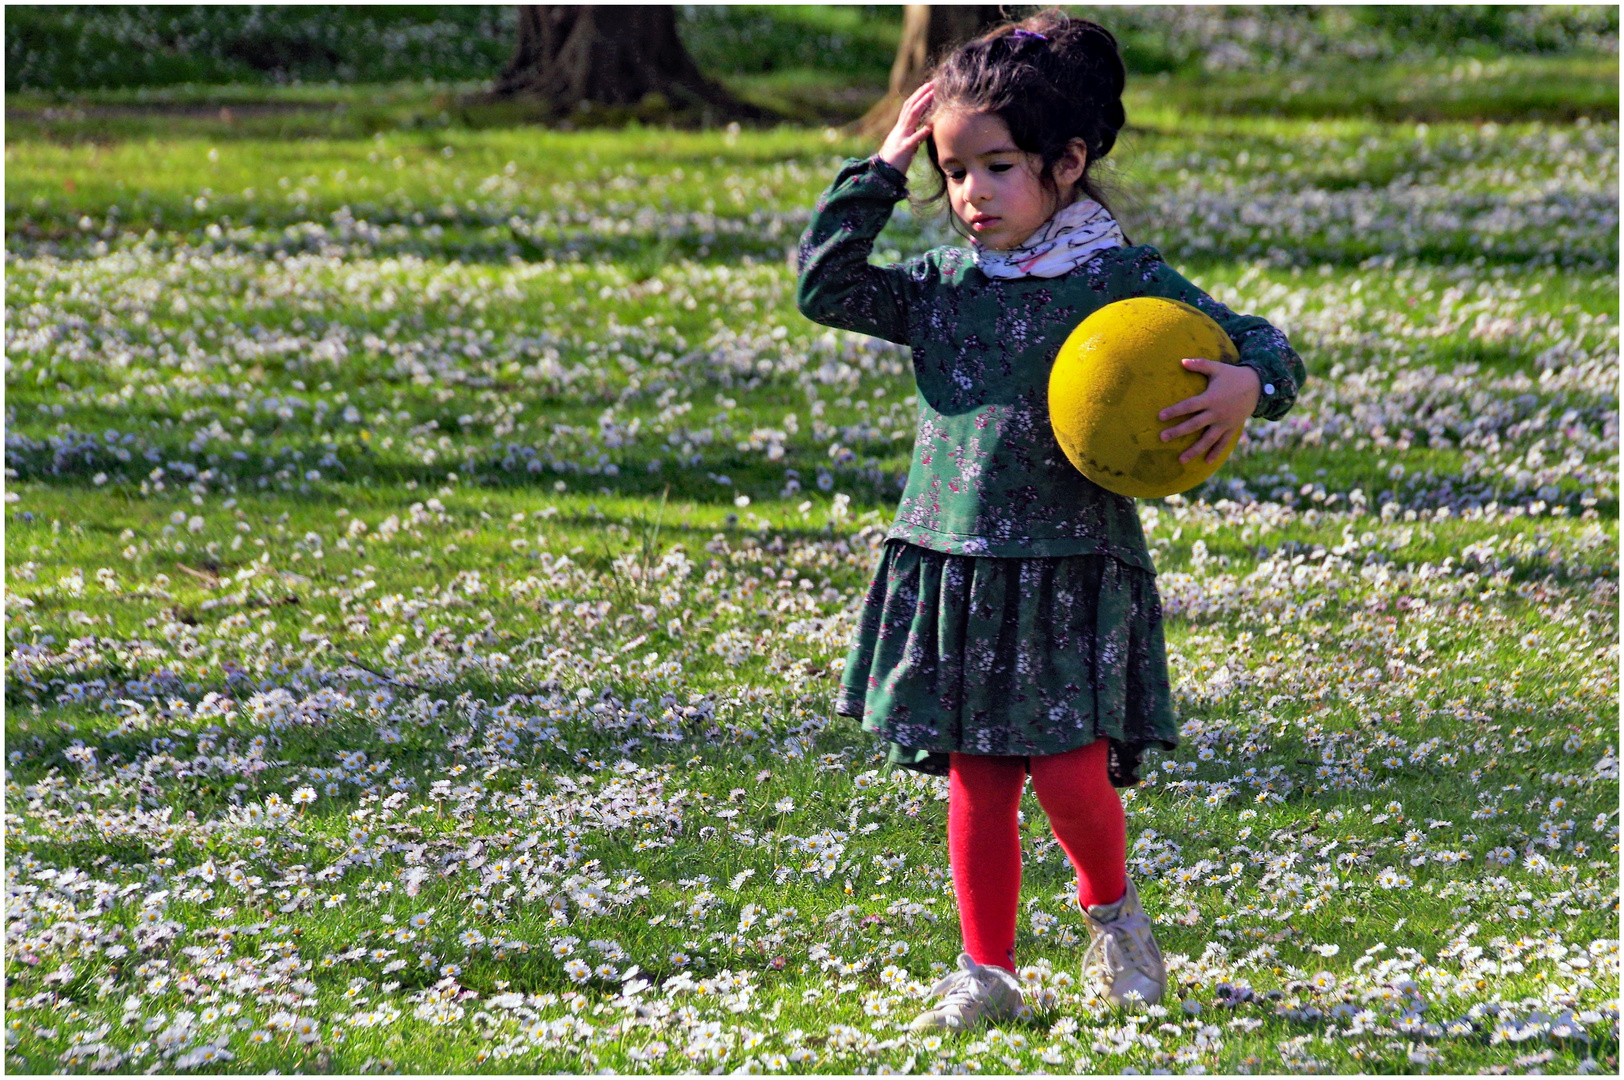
(1116, 371)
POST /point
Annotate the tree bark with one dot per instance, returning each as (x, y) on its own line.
(928, 32)
(574, 57)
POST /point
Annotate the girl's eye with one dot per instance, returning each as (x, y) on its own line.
(1002, 166)
(956, 175)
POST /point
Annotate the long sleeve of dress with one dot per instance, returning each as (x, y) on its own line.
(1263, 348)
(838, 286)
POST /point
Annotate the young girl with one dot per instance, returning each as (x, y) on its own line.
(1013, 625)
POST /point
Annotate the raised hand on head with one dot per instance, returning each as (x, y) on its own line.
(910, 129)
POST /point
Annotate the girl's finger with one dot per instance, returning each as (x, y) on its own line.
(1197, 363)
(1194, 424)
(1218, 447)
(917, 107)
(1201, 445)
(1188, 405)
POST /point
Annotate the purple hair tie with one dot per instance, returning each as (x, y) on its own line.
(1028, 33)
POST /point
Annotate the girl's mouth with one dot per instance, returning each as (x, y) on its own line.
(982, 223)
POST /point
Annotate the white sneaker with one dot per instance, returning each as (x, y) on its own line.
(1123, 958)
(969, 995)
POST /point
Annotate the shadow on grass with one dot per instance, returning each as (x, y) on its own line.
(643, 253)
(363, 481)
(644, 470)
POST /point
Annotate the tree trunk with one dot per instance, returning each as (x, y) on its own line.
(575, 57)
(928, 32)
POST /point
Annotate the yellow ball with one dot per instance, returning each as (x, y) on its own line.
(1116, 371)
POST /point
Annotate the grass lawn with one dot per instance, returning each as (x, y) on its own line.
(432, 542)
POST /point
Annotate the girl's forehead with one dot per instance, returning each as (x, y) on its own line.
(964, 133)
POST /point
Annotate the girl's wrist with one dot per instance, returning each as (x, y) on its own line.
(1256, 386)
(890, 169)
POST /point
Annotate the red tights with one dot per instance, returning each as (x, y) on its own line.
(984, 847)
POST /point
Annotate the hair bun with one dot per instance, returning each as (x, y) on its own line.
(1091, 64)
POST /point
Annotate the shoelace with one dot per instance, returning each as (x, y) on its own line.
(959, 988)
(1116, 948)
(1102, 951)
(1141, 944)
(961, 992)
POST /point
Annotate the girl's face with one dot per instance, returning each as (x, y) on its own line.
(995, 188)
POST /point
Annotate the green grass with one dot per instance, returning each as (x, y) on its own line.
(1506, 89)
(1391, 618)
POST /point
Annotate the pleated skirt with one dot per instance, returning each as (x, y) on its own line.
(1022, 657)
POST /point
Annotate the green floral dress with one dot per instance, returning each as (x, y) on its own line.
(1014, 608)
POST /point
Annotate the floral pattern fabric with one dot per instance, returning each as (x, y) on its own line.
(987, 476)
(1009, 656)
(1014, 608)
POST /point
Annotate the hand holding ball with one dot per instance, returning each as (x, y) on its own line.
(1115, 373)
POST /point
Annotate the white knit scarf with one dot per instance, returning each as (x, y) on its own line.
(1059, 246)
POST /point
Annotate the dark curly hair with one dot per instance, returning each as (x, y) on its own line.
(1051, 78)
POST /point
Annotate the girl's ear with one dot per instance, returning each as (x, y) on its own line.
(1072, 164)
